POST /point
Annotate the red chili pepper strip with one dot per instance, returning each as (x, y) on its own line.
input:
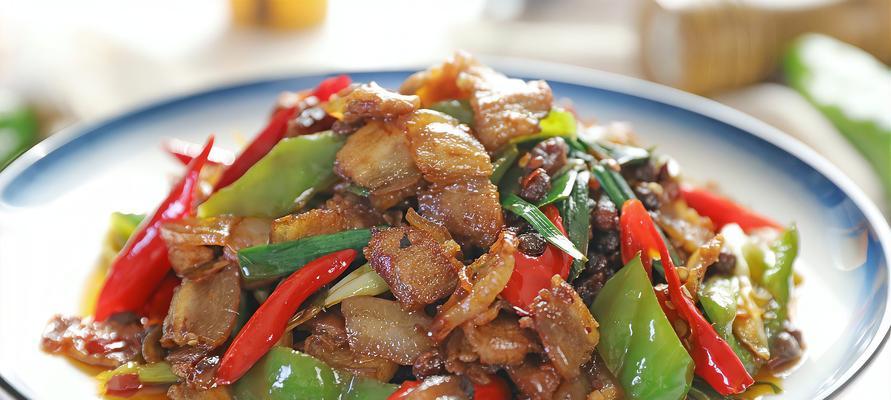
(182, 157)
(496, 389)
(159, 303)
(531, 274)
(142, 264)
(331, 86)
(723, 211)
(715, 361)
(635, 239)
(274, 132)
(185, 151)
(268, 323)
(404, 389)
(265, 141)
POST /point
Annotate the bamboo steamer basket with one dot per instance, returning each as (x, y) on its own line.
(705, 46)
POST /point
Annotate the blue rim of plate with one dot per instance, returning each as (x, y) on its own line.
(581, 77)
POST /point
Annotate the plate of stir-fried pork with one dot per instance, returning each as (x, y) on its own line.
(458, 232)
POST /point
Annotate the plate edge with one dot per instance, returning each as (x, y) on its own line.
(561, 73)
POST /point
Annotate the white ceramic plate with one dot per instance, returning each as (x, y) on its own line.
(55, 202)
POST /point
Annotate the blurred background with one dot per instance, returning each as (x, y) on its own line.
(78, 61)
(63, 62)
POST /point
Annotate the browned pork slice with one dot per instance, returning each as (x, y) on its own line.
(382, 328)
(565, 326)
(490, 274)
(247, 232)
(573, 389)
(377, 157)
(429, 363)
(698, 264)
(460, 359)
(195, 262)
(504, 108)
(385, 198)
(340, 213)
(439, 82)
(151, 344)
(469, 210)
(203, 312)
(310, 117)
(354, 208)
(535, 379)
(415, 266)
(328, 323)
(443, 148)
(309, 223)
(339, 356)
(501, 341)
(595, 383)
(687, 230)
(195, 365)
(195, 231)
(194, 244)
(328, 343)
(369, 100)
(106, 344)
(438, 232)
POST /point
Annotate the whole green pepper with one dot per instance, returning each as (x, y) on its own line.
(846, 84)
(637, 343)
(274, 185)
(777, 279)
(719, 297)
(18, 128)
(284, 373)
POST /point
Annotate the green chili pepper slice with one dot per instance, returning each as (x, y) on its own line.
(284, 373)
(276, 184)
(637, 343)
(719, 296)
(777, 279)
